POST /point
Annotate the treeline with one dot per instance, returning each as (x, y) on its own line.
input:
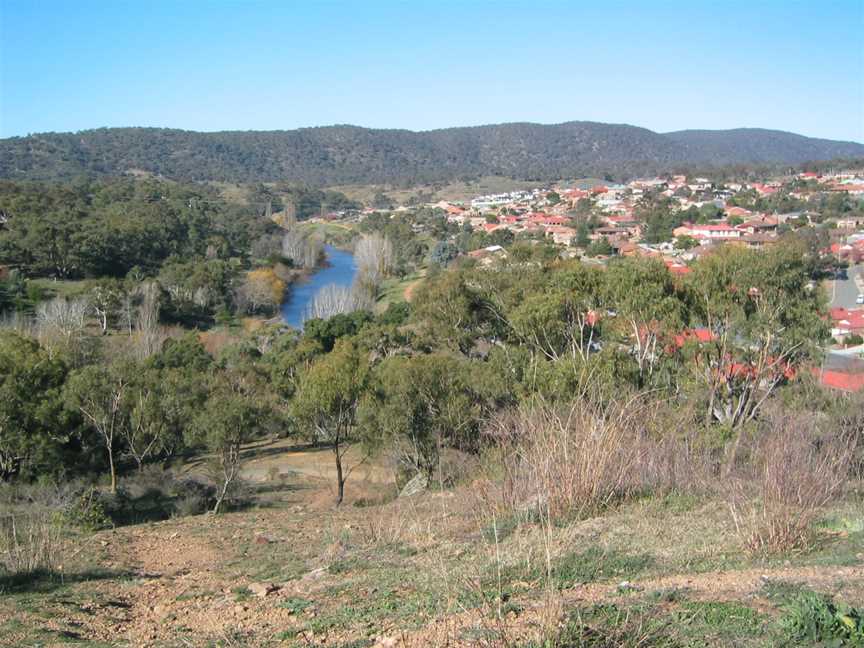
(107, 228)
(715, 348)
(348, 154)
(209, 259)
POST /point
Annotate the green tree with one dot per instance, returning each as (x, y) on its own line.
(421, 405)
(450, 311)
(33, 423)
(766, 320)
(583, 239)
(686, 242)
(599, 247)
(98, 394)
(326, 401)
(231, 418)
(642, 294)
(150, 404)
(562, 319)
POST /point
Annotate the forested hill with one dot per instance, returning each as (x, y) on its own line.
(349, 154)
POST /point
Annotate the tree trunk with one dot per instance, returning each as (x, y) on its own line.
(340, 479)
(113, 470)
(221, 497)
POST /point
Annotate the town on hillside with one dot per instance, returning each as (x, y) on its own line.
(678, 219)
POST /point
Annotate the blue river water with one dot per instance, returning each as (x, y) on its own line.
(340, 270)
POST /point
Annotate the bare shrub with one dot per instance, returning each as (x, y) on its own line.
(149, 336)
(795, 472)
(30, 543)
(61, 324)
(32, 528)
(580, 459)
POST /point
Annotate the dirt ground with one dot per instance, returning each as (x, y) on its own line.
(436, 569)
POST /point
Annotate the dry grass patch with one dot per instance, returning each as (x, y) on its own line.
(796, 473)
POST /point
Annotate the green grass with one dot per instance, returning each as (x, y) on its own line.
(596, 564)
(60, 288)
(650, 625)
(295, 604)
(720, 620)
(393, 289)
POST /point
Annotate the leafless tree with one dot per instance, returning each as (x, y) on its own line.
(302, 249)
(126, 311)
(266, 246)
(67, 317)
(374, 257)
(61, 322)
(261, 289)
(335, 300)
(149, 334)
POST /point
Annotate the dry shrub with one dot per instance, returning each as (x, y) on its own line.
(30, 543)
(391, 524)
(580, 459)
(794, 473)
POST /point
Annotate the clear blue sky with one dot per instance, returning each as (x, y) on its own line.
(220, 65)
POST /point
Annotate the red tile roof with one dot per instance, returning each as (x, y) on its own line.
(852, 319)
(700, 335)
(851, 382)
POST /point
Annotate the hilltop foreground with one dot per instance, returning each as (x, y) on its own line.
(434, 569)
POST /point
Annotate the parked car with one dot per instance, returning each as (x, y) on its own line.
(859, 299)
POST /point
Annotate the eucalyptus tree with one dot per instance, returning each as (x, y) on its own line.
(326, 402)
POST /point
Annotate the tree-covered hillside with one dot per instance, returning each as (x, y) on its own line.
(349, 154)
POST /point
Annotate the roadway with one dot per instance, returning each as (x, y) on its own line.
(845, 291)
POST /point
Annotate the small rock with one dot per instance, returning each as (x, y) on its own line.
(315, 574)
(263, 540)
(385, 642)
(262, 590)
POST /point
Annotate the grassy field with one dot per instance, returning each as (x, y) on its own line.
(455, 191)
(437, 569)
(59, 288)
(396, 290)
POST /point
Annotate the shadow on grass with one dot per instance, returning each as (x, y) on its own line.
(267, 450)
(43, 581)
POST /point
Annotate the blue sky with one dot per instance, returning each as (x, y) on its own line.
(222, 65)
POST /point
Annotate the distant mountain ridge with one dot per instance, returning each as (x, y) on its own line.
(342, 154)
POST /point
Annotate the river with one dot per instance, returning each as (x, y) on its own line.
(340, 270)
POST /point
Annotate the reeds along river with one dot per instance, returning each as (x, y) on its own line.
(340, 269)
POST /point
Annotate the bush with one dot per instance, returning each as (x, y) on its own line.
(87, 511)
(158, 494)
(812, 617)
(30, 543)
(581, 459)
(796, 472)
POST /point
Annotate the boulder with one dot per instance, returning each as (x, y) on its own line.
(417, 484)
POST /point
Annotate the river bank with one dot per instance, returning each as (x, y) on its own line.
(339, 269)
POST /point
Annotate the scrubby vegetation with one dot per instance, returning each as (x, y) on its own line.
(551, 411)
